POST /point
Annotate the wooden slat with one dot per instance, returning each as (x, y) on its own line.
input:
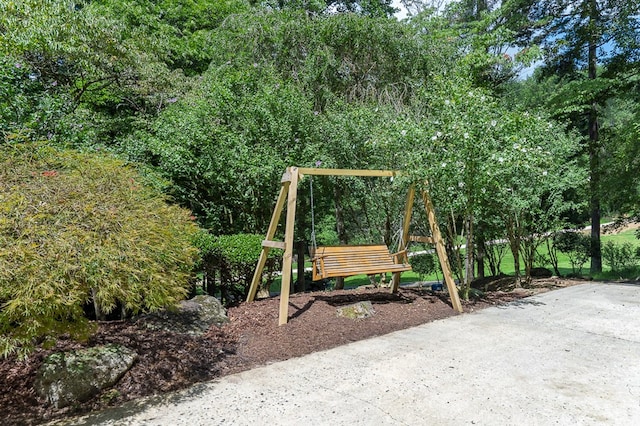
(367, 271)
(344, 261)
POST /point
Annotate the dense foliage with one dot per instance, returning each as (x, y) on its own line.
(82, 235)
(213, 99)
(228, 263)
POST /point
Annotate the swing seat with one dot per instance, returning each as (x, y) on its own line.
(345, 261)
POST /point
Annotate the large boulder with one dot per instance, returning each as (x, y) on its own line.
(68, 377)
(193, 317)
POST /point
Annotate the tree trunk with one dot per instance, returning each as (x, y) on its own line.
(513, 234)
(301, 244)
(301, 248)
(100, 315)
(468, 261)
(480, 254)
(340, 227)
(594, 159)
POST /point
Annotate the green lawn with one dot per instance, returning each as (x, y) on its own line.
(506, 266)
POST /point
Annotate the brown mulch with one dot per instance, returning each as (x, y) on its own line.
(252, 338)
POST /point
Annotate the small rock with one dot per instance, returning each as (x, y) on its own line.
(193, 316)
(357, 310)
(68, 377)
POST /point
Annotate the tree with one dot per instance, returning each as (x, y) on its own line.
(576, 37)
(371, 8)
(100, 68)
(621, 159)
(486, 163)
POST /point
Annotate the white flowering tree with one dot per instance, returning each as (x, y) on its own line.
(490, 167)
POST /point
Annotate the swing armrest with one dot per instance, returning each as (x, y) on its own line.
(396, 256)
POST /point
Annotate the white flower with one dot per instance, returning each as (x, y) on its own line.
(403, 133)
(500, 159)
(524, 150)
(460, 184)
(516, 146)
(493, 123)
(434, 137)
(438, 134)
(447, 102)
(466, 135)
(471, 94)
(483, 98)
(544, 173)
(444, 165)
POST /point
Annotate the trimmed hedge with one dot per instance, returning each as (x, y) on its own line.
(229, 262)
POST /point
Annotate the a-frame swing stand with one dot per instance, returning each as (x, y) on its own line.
(289, 194)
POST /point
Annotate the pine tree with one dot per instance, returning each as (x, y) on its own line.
(591, 45)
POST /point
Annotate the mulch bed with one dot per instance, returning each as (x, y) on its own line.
(169, 361)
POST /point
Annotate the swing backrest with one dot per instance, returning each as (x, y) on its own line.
(345, 261)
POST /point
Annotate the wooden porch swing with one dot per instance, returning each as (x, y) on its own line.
(344, 261)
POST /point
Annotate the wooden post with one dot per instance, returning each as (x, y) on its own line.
(442, 252)
(275, 218)
(288, 246)
(408, 210)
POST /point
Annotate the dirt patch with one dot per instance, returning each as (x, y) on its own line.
(252, 338)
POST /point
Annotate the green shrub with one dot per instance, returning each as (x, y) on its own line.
(229, 262)
(620, 257)
(423, 265)
(576, 246)
(77, 231)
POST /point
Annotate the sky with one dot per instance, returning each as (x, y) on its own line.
(402, 13)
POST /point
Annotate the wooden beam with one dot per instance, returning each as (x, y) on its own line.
(264, 253)
(408, 211)
(273, 244)
(442, 252)
(406, 223)
(286, 176)
(288, 241)
(421, 239)
(347, 172)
